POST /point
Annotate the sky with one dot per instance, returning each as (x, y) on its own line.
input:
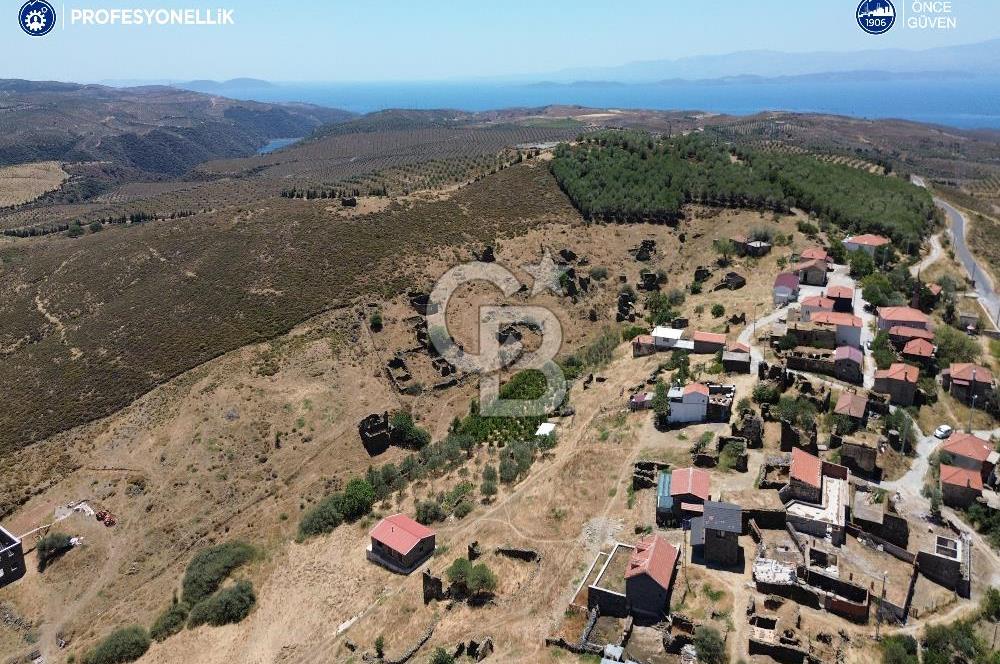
(413, 40)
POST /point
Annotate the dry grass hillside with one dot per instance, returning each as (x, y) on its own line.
(26, 182)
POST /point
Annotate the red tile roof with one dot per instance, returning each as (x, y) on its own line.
(840, 292)
(400, 533)
(905, 314)
(968, 446)
(646, 339)
(818, 301)
(868, 240)
(835, 318)
(963, 371)
(814, 253)
(910, 332)
(654, 557)
(808, 265)
(851, 405)
(739, 347)
(963, 477)
(899, 371)
(935, 289)
(918, 347)
(788, 280)
(806, 468)
(709, 337)
(692, 481)
(700, 388)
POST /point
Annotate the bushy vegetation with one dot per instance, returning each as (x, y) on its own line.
(228, 606)
(954, 346)
(122, 645)
(51, 547)
(710, 645)
(351, 504)
(406, 433)
(170, 621)
(899, 649)
(472, 579)
(210, 567)
(631, 176)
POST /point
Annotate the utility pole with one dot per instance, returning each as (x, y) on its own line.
(878, 616)
(972, 391)
(906, 430)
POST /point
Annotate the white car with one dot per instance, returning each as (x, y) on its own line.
(942, 431)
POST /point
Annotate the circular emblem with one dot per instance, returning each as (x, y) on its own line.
(876, 16)
(36, 18)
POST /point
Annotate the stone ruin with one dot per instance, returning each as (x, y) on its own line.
(527, 555)
(644, 473)
(376, 433)
(644, 251)
(750, 427)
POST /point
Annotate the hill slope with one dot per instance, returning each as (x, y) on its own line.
(155, 129)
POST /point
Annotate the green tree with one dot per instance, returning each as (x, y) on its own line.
(718, 310)
(380, 646)
(441, 656)
(120, 646)
(661, 403)
(725, 248)
(51, 547)
(954, 346)
(861, 264)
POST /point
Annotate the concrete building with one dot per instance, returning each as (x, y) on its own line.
(867, 243)
(967, 380)
(717, 533)
(847, 326)
(899, 381)
(960, 487)
(889, 317)
(666, 338)
(688, 403)
(11, 558)
(786, 288)
(400, 544)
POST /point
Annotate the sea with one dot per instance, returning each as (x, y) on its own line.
(967, 103)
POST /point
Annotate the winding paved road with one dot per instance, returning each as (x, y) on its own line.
(957, 222)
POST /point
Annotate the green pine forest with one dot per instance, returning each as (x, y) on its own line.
(625, 176)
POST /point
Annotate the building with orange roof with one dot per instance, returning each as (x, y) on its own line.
(811, 272)
(400, 543)
(867, 243)
(632, 580)
(972, 453)
(889, 317)
(688, 404)
(814, 254)
(708, 342)
(814, 304)
(965, 380)
(919, 351)
(843, 298)
(805, 476)
(900, 334)
(899, 381)
(960, 487)
(847, 326)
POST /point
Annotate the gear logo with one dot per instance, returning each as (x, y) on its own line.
(37, 18)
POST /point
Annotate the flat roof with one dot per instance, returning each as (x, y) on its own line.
(831, 511)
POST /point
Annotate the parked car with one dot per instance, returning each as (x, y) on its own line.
(942, 431)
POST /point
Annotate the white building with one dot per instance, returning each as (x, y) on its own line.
(689, 403)
(665, 338)
(867, 243)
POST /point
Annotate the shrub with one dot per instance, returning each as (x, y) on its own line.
(323, 518)
(632, 331)
(210, 567)
(462, 509)
(764, 393)
(228, 606)
(122, 645)
(51, 547)
(170, 621)
(989, 605)
(441, 656)
(598, 273)
(718, 310)
(375, 321)
(899, 649)
(710, 646)
(406, 433)
(429, 511)
(474, 579)
(954, 346)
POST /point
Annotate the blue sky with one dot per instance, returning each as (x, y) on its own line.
(382, 40)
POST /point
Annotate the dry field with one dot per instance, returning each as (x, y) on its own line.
(26, 182)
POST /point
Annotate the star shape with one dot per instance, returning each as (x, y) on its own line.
(546, 274)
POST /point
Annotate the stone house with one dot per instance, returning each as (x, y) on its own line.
(708, 342)
(847, 326)
(643, 344)
(899, 381)
(972, 453)
(967, 380)
(805, 476)
(717, 533)
(960, 487)
(843, 298)
(848, 364)
(689, 489)
(810, 272)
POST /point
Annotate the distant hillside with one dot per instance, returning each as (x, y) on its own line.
(224, 87)
(154, 128)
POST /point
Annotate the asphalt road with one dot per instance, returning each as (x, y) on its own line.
(985, 289)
